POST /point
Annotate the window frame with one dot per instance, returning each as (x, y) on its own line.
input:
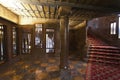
(113, 28)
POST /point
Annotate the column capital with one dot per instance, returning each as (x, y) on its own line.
(64, 11)
(64, 17)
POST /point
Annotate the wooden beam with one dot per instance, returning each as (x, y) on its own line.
(32, 10)
(75, 13)
(79, 6)
(44, 11)
(26, 9)
(55, 11)
(22, 10)
(38, 11)
(57, 15)
(49, 12)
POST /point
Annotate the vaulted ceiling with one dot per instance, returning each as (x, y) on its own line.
(49, 9)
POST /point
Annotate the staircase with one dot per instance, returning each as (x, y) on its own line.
(104, 54)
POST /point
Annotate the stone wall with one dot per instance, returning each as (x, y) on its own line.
(77, 42)
(101, 28)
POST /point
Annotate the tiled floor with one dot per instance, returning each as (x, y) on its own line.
(38, 68)
(35, 67)
(78, 70)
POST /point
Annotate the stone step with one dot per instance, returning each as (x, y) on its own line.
(104, 47)
(104, 57)
(104, 50)
(103, 61)
(104, 53)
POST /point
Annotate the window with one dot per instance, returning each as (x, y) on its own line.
(44, 38)
(14, 40)
(119, 29)
(26, 43)
(38, 35)
(49, 40)
(113, 28)
(1, 43)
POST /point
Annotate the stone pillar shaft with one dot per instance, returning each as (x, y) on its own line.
(64, 34)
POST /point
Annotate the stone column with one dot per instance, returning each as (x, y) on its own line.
(64, 12)
(64, 32)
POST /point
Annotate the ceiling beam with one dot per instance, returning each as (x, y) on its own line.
(44, 11)
(21, 11)
(79, 6)
(57, 15)
(32, 10)
(55, 9)
(75, 14)
(38, 11)
(49, 12)
(26, 9)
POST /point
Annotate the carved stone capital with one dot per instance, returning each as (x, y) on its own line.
(64, 10)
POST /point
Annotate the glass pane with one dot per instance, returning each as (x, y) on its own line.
(49, 40)
(29, 43)
(119, 29)
(14, 40)
(113, 28)
(38, 35)
(26, 43)
(1, 43)
(114, 32)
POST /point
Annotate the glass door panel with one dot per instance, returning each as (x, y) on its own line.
(50, 41)
(26, 43)
(38, 36)
(44, 38)
(14, 41)
(1, 43)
